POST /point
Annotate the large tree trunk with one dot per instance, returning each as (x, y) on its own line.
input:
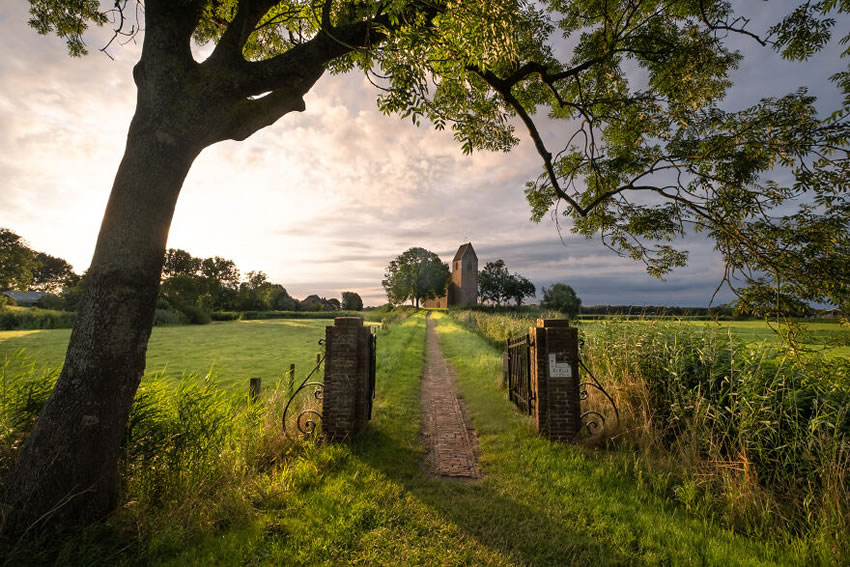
(67, 472)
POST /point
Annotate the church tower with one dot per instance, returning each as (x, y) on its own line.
(463, 288)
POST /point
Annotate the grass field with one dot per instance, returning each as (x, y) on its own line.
(235, 350)
(264, 501)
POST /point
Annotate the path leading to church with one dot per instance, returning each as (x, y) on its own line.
(449, 437)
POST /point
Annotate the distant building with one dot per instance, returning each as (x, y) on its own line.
(25, 298)
(463, 286)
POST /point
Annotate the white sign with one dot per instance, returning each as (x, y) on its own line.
(559, 369)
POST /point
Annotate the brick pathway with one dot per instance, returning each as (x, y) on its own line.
(449, 438)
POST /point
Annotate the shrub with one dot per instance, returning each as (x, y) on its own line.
(194, 315)
(51, 301)
(226, 315)
(166, 317)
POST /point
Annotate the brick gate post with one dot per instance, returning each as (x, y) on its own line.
(554, 378)
(345, 402)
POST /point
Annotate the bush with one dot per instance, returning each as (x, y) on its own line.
(226, 315)
(194, 315)
(166, 317)
(51, 301)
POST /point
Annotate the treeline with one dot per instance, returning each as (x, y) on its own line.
(199, 287)
(193, 290)
(22, 268)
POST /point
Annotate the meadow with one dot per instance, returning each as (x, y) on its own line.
(211, 480)
(232, 351)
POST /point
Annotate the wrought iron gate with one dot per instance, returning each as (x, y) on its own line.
(309, 406)
(373, 367)
(518, 378)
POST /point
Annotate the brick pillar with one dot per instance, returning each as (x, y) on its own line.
(345, 403)
(554, 378)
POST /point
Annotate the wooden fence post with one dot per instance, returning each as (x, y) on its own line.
(254, 388)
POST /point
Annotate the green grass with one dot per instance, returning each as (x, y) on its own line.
(235, 350)
(368, 502)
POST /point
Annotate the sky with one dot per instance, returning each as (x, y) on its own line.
(322, 200)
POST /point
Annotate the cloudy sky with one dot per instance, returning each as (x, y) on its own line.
(324, 199)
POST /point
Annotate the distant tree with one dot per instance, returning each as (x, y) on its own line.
(333, 303)
(254, 293)
(518, 288)
(417, 274)
(563, 298)
(180, 262)
(222, 280)
(497, 284)
(51, 273)
(17, 261)
(351, 301)
(280, 300)
(492, 281)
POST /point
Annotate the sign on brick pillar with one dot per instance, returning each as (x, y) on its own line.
(554, 378)
(345, 401)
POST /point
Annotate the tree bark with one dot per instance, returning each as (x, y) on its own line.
(67, 472)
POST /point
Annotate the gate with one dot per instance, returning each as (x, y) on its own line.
(308, 406)
(551, 390)
(373, 368)
(340, 401)
(518, 373)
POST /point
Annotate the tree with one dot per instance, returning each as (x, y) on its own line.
(638, 92)
(255, 293)
(179, 262)
(280, 299)
(518, 288)
(563, 298)
(492, 280)
(17, 261)
(417, 274)
(496, 284)
(51, 273)
(351, 301)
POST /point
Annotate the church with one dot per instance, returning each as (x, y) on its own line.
(463, 285)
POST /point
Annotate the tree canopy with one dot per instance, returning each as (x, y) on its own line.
(563, 298)
(416, 274)
(497, 284)
(23, 268)
(647, 153)
(351, 301)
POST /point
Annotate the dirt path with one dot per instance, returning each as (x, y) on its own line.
(449, 437)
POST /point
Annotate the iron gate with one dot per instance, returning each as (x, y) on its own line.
(373, 367)
(518, 373)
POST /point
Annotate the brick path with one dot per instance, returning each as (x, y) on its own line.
(449, 438)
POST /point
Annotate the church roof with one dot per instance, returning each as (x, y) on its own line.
(463, 251)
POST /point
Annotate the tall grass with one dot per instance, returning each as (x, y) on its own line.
(756, 438)
(500, 326)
